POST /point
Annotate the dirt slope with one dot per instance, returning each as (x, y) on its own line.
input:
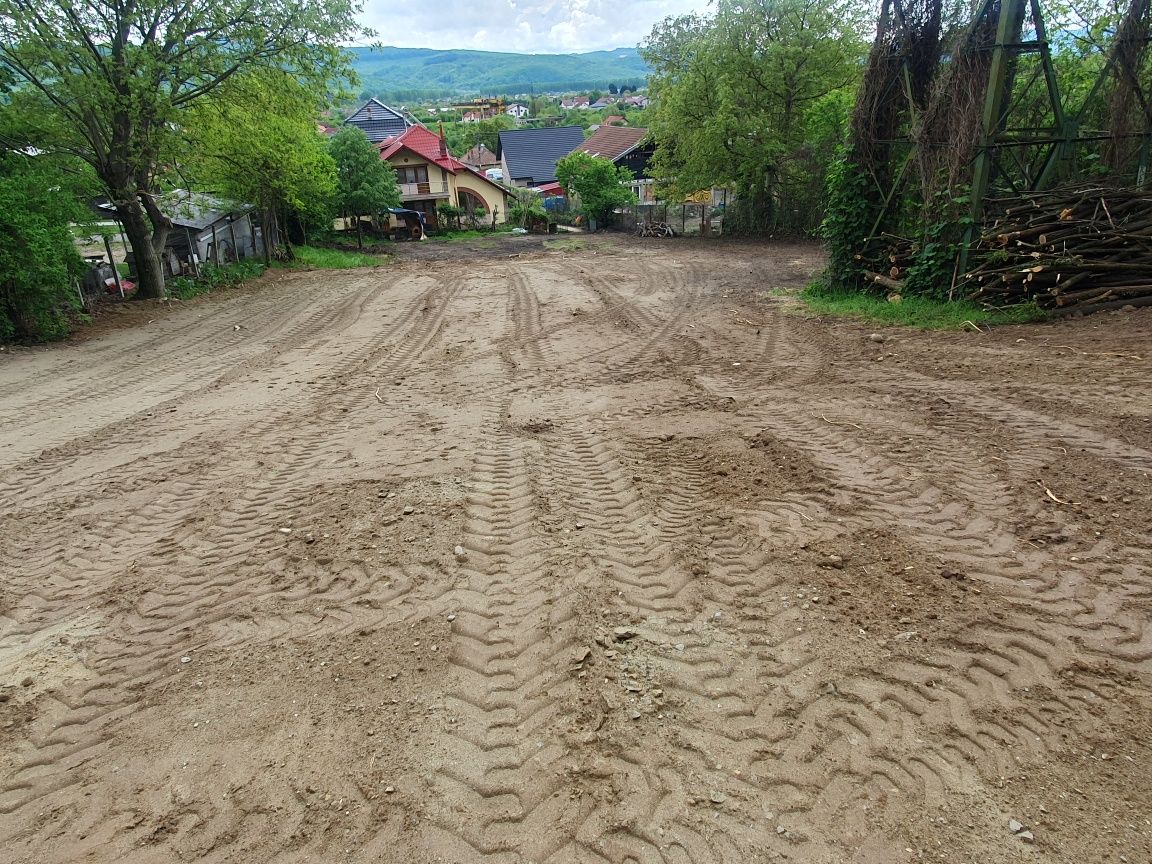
(581, 555)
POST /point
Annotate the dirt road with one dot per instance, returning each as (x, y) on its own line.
(600, 554)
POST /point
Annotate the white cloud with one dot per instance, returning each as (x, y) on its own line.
(528, 26)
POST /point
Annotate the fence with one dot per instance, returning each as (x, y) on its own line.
(684, 219)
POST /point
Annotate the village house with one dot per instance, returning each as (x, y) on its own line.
(528, 157)
(574, 102)
(378, 121)
(429, 176)
(626, 146)
(480, 158)
(517, 110)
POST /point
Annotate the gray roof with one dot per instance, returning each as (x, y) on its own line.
(532, 154)
(378, 121)
(194, 210)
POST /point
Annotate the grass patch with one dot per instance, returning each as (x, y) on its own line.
(913, 311)
(469, 234)
(213, 278)
(333, 259)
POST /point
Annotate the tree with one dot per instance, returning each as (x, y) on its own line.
(366, 184)
(38, 260)
(255, 140)
(739, 97)
(613, 89)
(108, 82)
(596, 182)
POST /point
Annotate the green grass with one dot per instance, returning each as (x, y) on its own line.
(913, 311)
(469, 234)
(334, 259)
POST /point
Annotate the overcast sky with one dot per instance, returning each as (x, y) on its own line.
(530, 26)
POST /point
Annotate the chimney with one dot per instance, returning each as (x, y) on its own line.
(443, 143)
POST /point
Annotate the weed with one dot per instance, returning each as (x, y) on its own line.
(913, 311)
(333, 259)
(213, 278)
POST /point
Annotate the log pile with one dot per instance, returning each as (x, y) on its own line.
(1064, 249)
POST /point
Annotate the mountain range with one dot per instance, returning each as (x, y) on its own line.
(426, 73)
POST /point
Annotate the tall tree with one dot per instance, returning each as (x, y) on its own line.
(256, 140)
(107, 81)
(739, 96)
(366, 184)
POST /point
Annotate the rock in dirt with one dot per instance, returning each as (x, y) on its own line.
(717, 797)
(623, 634)
(876, 337)
(459, 552)
(1014, 826)
(408, 511)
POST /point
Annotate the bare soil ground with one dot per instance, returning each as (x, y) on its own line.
(733, 584)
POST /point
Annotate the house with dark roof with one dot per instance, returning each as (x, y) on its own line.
(629, 147)
(529, 156)
(480, 157)
(378, 121)
(429, 176)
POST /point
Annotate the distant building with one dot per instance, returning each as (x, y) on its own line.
(480, 158)
(615, 120)
(529, 156)
(574, 102)
(378, 121)
(628, 147)
(429, 175)
(517, 110)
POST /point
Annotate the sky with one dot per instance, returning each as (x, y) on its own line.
(525, 26)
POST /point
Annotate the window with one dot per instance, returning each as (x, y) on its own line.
(412, 174)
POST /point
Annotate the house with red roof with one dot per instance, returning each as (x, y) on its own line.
(430, 176)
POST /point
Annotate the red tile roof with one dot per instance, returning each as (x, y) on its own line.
(426, 144)
(612, 142)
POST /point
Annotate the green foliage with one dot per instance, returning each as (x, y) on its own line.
(596, 182)
(462, 137)
(39, 265)
(755, 97)
(922, 312)
(365, 182)
(110, 82)
(847, 220)
(450, 216)
(334, 259)
(213, 278)
(525, 208)
(255, 140)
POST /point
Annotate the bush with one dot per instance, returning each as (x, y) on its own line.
(213, 278)
(39, 266)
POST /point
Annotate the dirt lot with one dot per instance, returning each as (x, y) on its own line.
(592, 552)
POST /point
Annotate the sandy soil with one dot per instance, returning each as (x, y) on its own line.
(732, 584)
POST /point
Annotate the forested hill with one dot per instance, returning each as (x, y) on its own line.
(414, 73)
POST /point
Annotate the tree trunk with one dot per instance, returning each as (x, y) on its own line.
(359, 236)
(138, 229)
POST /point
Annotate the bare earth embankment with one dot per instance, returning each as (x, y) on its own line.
(732, 585)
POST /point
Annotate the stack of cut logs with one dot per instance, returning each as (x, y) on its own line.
(1065, 248)
(1068, 248)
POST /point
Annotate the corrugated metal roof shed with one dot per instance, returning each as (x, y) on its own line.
(532, 154)
(378, 121)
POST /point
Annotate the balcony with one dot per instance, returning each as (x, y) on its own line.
(424, 191)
